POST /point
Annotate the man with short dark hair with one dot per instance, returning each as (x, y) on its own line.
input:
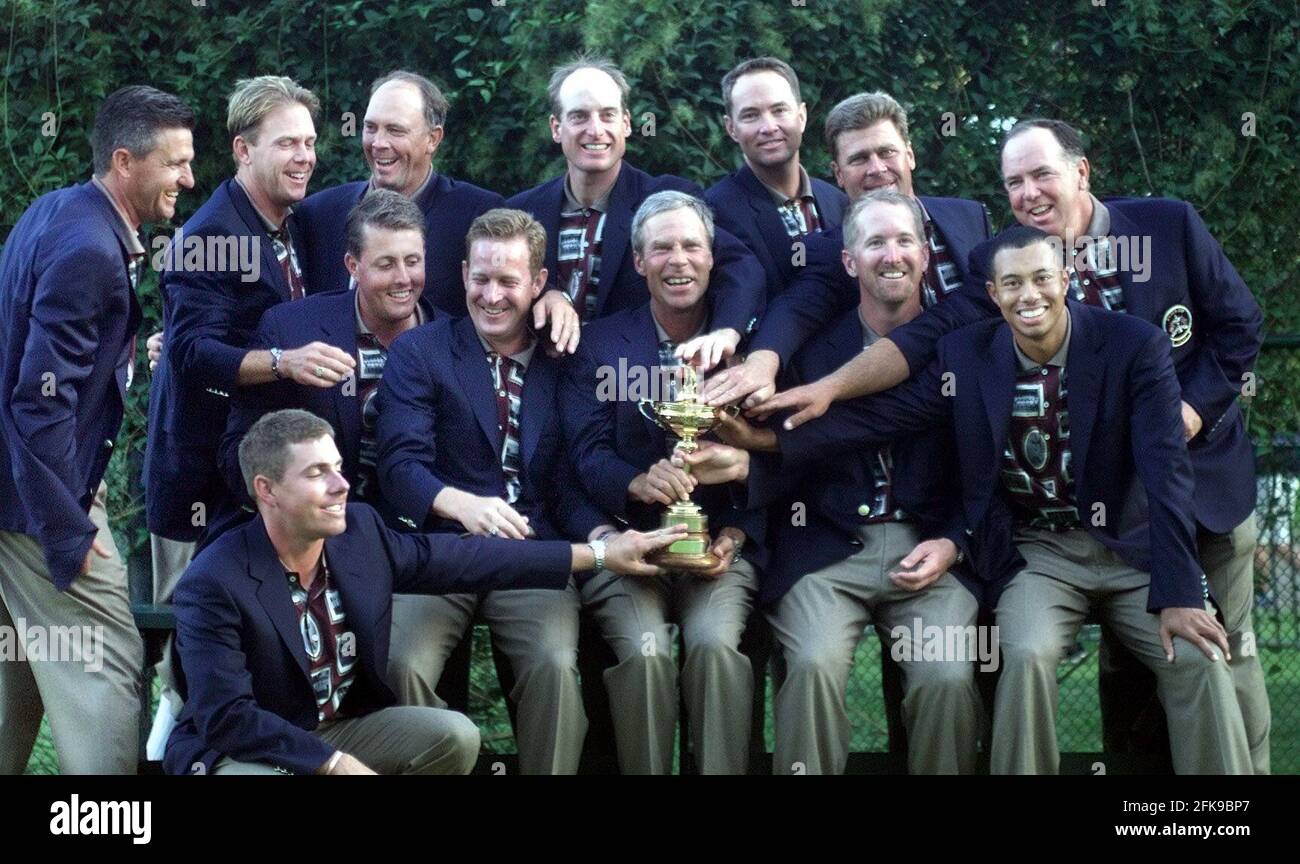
(1076, 491)
(871, 148)
(68, 320)
(622, 462)
(283, 623)
(386, 257)
(770, 202)
(587, 213)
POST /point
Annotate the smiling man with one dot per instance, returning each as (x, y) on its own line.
(1076, 490)
(587, 212)
(622, 462)
(871, 148)
(470, 440)
(283, 623)
(212, 304)
(68, 320)
(770, 202)
(403, 128)
(386, 257)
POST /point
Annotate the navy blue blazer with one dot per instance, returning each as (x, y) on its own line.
(613, 442)
(1187, 271)
(438, 427)
(737, 287)
(449, 206)
(823, 288)
(244, 669)
(68, 315)
(742, 205)
(328, 318)
(923, 484)
(1130, 464)
(209, 318)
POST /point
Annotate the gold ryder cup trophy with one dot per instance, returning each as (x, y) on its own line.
(686, 417)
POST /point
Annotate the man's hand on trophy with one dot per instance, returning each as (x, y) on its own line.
(705, 352)
(738, 432)
(754, 381)
(809, 401)
(664, 483)
(716, 463)
(626, 552)
(724, 547)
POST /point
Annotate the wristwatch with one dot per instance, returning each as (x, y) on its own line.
(276, 354)
(598, 550)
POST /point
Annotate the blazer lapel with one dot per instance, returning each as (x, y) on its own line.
(271, 272)
(475, 376)
(642, 351)
(340, 328)
(273, 591)
(615, 241)
(998, 389)
(550, 211)
(1083, 389)
(348, 576)
(1137, 297)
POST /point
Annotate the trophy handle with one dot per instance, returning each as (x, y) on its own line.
(642, 405)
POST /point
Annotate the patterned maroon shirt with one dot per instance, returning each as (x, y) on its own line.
(1036, 461)
(331, 647)
(508, 385)
(578, 258)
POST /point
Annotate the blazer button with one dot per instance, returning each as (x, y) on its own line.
(108, 443)
(864, 510)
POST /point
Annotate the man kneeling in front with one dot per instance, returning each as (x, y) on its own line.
(282, 625)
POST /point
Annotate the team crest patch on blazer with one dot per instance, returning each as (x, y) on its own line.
(1178, 324)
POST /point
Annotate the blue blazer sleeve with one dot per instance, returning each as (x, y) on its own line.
(1165, 470)
(738, 285)
(247, 406)
(1232, 325)
(58, 356)
(820, 289)
(589, 429)
(227, 716)
(405, 430)
(204, 313)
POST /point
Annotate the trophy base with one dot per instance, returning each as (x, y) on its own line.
(675, 561)
(692, 552)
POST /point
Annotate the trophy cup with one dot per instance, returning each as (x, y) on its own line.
(686, 417)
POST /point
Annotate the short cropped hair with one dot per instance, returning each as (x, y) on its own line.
(664, 202)
(130, 119)
(860, 111)
(383, 209)
(1018, 237)
(759, 64)
(435, 104)
(254, 98)
(853, 233)
(501, 223)
(586, 61)
(265, 448)
(1067, 136)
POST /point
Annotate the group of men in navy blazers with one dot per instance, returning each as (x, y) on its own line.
(426, 324)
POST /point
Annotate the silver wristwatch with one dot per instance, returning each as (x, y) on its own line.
(276, 354)
(598, 550)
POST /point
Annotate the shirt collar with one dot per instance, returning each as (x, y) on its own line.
(523, 358)
(869, 336)
(805, 189)
(1099, 225)
(134, 246)
(663, 334)
(572, 203)
(271, 227)
(1025, 364)
(371, 187)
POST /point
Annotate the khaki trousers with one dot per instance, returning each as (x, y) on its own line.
(170, 558)
(1039, 614)
(398, 740)
(634, 615)
(85, 673)
(819, 623)
(538, 631)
